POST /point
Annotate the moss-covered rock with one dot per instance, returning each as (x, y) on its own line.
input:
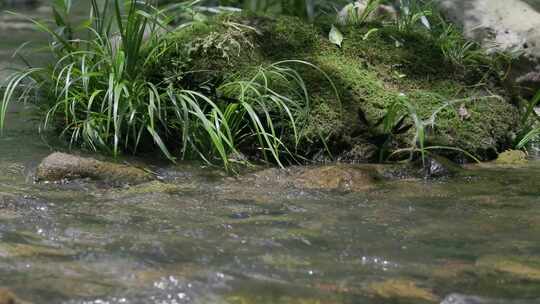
(371, 75)
(512, 158)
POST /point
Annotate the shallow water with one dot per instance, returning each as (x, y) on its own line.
(201, 237)
(204, 238)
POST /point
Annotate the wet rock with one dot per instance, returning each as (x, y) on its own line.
(261, 297)
(438, 166)
(7, 297)
(337, 177)
(58, 166)
(432, 166)
(503, 25)
(452, 270)
(401, 288)
(8, 250)
(514, 266)
(456, 298)
(512, 158)
(463, 299)
(360, 152)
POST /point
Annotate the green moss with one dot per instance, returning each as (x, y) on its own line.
(370, 74)
(512, 158)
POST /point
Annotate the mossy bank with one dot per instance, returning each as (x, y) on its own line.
(371, 71)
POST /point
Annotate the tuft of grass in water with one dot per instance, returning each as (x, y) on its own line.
(97, 95)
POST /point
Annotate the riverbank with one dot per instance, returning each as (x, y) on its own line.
(462, 107)
(251, 88)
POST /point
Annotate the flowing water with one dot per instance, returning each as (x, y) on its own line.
(201, 237)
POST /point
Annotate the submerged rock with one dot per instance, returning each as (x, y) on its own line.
(456, 298)
(514, 266)
(58, 166)
(8, 250)
(401, 288)
(7, 297)
(464, 299)
(337, 177)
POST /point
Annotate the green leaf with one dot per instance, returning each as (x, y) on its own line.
(335, 36)
(368, 34)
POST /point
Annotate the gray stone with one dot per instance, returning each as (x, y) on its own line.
(505, 25)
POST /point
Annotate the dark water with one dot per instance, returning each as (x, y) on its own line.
(205, 238)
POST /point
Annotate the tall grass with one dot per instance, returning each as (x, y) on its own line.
(97, 95)
(529, 122)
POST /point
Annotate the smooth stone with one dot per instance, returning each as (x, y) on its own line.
(59, 166)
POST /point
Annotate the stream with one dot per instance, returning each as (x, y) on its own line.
(203, 237)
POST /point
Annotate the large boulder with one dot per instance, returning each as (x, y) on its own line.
(58, 166)
(507, 25)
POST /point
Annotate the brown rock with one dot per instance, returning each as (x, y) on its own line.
(7, 297)
(58, 166)
(338, 177)
(516, 266)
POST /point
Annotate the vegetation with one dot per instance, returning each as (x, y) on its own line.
(98, 94)
(419, 29)
(530, 130)
(276, 89)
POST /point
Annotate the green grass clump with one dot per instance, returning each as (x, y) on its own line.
(106, 92)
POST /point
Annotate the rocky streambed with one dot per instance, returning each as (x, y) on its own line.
(326, 234)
